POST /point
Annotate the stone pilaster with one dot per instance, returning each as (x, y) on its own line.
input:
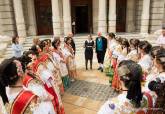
(32, 27)
(56, 18)
(95, 15)
(130, 17)
(19, 17)
(112, 16)
(102, 25)
(145, 17)
(67, 16)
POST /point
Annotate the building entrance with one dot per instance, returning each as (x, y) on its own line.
(43, 11)
(81, 11)
(121, 6)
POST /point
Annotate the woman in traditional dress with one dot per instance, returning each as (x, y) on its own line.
(47, 76)
(159, 61)
(108, 65)
(89, 45)
(47, 45)
(115, 59)
(125, 47)
(36, 42)
(158, 83)
(118, 48)
(131, 101)
(49, 79)
(17, 94)
(33, 82)
(60, 60)
(155, 83)
(111, 43)
(69, 56)
(145, 59)
(158, 87)
(51, 65)
(133, 54)
(154, 71)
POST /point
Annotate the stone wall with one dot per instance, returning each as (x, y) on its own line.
(7, 19)
(156, 15)
(138, 14)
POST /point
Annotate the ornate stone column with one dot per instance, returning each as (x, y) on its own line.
(32, 27)
(145, 17)
(19, 17)
(56, 18)
(112, 16)
(67, 16)
(102, 25)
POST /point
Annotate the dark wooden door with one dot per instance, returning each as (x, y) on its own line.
(81, 19)
(43, 11)
(81, 11)
(121, 6)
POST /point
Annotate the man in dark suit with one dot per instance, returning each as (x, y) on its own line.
(101, 47)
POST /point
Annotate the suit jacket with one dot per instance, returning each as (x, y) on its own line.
(104, 44)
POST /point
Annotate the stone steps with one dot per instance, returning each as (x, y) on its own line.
(79, 41)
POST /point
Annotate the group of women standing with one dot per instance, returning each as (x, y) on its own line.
(137, 72)
(35, 82)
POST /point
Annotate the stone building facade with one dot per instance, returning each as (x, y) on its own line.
(58, 17)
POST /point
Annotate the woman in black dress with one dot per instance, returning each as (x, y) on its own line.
(89, 45)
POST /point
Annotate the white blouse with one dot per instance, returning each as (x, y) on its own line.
(40, 108)
(146, 62)
(63, 67)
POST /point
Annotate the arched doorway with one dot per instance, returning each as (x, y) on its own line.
(121, 6)
(81, 11)
(43, 12)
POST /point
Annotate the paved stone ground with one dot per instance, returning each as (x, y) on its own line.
(91, 90)
(88, 93)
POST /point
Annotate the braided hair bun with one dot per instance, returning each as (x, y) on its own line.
(9, 75)
(160, 57)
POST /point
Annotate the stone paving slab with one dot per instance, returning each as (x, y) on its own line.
(95, 91)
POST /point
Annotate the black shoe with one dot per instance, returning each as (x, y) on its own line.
(99, 68)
